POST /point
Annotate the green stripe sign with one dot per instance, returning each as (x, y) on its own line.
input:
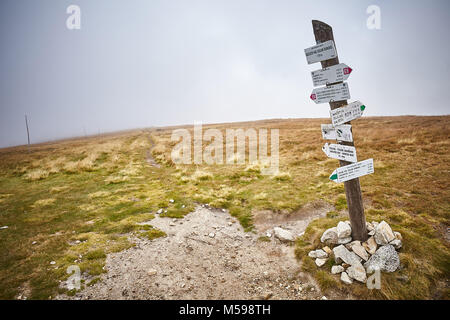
(352, 171)
(347, 113)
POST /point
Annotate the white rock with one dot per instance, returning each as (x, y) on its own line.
(283, 235)
(183, 206)
(4, 227)
(324, 298)
(383, 233)
(397, 244)
(159, 211)
(211, 235)
(351, 244)
(344, 240)
(357, 272)
(320, 262)
(337, 269)
(385, 259)
(34, 242)
(371, 233)
(330, 235)
(343, 230)
(52, 262)
(171, 201)
(370, 245)
(398, 235)
(345, 278)
(268, 235)
(151, 272)
(172, 224)
(318, 254)
(360, 251)
(341, 252)
(223, 210)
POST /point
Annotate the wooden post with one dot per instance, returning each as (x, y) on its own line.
(323, 32)
(28, 132)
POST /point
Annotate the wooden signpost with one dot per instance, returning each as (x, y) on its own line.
(336, 94)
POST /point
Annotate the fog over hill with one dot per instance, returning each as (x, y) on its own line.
(154, 63)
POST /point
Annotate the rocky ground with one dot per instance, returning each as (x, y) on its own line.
(207, 255)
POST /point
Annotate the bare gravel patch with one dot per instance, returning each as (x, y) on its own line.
(205, 255)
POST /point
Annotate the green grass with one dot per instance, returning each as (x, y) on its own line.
(99, 190)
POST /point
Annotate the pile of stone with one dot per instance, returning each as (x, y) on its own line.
(354, 260)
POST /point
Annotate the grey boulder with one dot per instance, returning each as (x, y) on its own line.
(385, 259)
(283, 235)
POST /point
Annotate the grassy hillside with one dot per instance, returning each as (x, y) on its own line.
(79, 199)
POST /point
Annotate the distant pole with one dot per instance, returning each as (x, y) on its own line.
(323, 32)
(28, 131)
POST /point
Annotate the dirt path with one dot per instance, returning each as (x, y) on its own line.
(150, 160)
(206, 255)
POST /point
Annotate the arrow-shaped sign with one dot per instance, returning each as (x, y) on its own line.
(336, 73)
(347, 113)
(336, 92)
(352, 171)
(320, 52)
(340, 152)
(342, 132)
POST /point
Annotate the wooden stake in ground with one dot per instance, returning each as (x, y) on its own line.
(322, 33)
(28, 132)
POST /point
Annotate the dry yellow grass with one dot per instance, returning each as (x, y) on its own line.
(107, 180)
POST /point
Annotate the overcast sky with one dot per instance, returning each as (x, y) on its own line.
(164, 62)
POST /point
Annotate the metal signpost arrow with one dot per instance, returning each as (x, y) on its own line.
(333, 74)
(352, 171)
(320, 52)
(336, 92)
(341, 133)
(347, 113)
(340, 152)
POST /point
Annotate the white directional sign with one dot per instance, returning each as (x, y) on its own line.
(341, 133)
(347, 113)
(335, 92)
(352, 171)
(320, 52)
(336, 73)
(340, 152)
